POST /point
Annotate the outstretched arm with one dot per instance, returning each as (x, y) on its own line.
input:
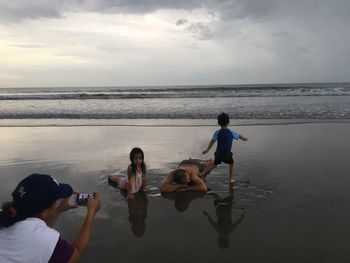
(169, 186)
(239, 220)
(211, 143)
(211, 221)
(243, 138)
(83, 237)
(197, 185)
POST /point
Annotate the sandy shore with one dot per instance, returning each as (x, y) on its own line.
(291, 203)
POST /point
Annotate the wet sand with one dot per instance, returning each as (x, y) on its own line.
(291, 202)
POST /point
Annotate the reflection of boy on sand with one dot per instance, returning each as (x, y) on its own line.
(224, 225)
(188, 176)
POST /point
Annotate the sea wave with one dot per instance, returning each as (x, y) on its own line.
(297, 114)
(179, 92)
(290, 101)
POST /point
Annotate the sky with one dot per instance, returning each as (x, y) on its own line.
(148, 43)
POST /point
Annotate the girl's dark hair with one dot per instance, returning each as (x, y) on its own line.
(10, 215)
(133, 152)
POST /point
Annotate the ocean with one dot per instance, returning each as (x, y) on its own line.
(329, 101)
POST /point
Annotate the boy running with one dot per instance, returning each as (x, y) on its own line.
(224, 137)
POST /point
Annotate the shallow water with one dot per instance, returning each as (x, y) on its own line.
(290, 204)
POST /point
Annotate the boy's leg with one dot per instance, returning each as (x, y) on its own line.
(208, 167)
(232, 173)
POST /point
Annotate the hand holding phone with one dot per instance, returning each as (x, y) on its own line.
(78, 199)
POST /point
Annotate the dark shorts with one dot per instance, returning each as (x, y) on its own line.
(223, 157)
(199, 163)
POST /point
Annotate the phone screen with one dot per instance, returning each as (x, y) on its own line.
(80, 199)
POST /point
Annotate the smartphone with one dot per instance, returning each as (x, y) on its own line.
(80, 199)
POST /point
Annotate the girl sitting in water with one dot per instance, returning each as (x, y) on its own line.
(137, 175)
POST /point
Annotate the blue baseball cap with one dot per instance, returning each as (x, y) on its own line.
(38, 192)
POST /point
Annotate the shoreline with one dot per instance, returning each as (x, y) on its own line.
(13, 123)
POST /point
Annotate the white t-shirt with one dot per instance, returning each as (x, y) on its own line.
(29, 241)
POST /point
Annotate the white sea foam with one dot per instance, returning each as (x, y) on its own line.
(289, 101)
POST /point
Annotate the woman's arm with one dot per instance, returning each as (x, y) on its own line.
(83, 237)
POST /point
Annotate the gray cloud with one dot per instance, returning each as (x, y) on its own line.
(181, 22)
(201, 31)
(297, 40)
(141, 6)
(14, 11)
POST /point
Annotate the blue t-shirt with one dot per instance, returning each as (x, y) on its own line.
(224, 137)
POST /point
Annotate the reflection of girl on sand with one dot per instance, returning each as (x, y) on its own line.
(224, 225)
(138, 213)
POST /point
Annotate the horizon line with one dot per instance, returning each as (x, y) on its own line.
(178, 85)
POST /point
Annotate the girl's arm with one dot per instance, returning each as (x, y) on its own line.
(144, 183)
(130, 195)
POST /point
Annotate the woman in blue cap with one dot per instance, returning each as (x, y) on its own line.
(26, 233)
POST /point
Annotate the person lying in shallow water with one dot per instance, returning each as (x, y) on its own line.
(189, 176)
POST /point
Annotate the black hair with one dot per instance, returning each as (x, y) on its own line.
(179, 176)
(6, 216)
(182, 203)
(133, 152)
(223, 119)
(10, 214)
(139, 228)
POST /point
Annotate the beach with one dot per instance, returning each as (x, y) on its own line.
(291, 202)
(91, 89)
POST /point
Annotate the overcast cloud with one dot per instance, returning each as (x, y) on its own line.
(91, 42)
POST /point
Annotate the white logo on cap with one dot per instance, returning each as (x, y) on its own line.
(55, 181)
(21, 191)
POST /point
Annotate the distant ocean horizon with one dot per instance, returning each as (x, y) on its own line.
(262, 101)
